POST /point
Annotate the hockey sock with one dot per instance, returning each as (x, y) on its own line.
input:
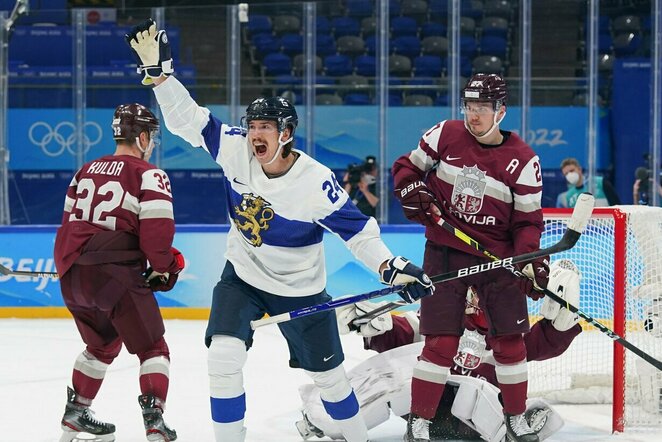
(87, 377)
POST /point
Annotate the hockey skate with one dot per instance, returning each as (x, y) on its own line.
(418, 429)
(80, 424)
(155, 427)
(518, 430)
(307, 429)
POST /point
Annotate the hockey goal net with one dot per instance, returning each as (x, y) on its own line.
(620, 260)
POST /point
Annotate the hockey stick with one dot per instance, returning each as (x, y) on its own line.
(5, 271)
(589, 319)
(576, 225)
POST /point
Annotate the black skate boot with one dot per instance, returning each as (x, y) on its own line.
(518, 430)
(79, 423)
(155, 427)
(418, 429)
(307, 429)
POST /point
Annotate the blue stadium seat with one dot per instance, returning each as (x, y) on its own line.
(605, 43)
(429, 66)
(394, 8)
(395, 99)
(432, 29)
(468, 46)
(337, 65)
(357, 99)
(265, 44)
(322, 25)
(423, 86)
(466, 67)
(258, 24)
(441, 100)
(325, 85)
(438, 9)
(291, 44)
(403, 26)
(370, 44)
(290, 83)
(276, 64)
(359, 8)
(345, 26)
(472, 8)
(493, 45)
(497, 26)
(365, 65)
(409, 46)
(326, 45)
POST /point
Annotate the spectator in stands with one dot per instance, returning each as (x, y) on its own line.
(604, 192)
(641, 188)
(360, 182)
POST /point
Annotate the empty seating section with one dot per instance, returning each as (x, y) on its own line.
(621, 33)
(347, 44)
(44, 77)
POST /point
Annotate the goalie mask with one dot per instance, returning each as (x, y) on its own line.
(130, 120)
(484, 88)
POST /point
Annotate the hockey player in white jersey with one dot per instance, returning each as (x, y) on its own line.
(470, 409)
(280, 202)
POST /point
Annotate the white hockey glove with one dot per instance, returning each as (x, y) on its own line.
(347, 314)
(564, 280)
(399, 270)
(151, 50)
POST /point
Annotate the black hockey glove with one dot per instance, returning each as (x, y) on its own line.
(163, 282)
(399, 270)
(418, 203)
(537, 277)
(151, 50)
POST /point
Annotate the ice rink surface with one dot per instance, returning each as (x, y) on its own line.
(38, 356)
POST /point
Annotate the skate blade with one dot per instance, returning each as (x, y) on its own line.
(158, 437)
(76, 436)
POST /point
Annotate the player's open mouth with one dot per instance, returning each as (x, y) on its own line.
(260, 149)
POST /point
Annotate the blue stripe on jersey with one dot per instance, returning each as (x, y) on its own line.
(212, 134)
(346, 222)
(348, 407)
(226, 410)
(281, 232)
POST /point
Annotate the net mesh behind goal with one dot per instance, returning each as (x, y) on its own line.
(620, 259)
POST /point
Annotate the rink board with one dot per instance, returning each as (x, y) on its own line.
(31, 248)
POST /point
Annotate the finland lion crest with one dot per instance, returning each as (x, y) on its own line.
(469, 189)
(253, 216)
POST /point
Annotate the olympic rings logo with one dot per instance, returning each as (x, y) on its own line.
(53, 141)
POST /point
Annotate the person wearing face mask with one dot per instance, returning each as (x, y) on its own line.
(280, 201)
(363, 191)
(604, 192)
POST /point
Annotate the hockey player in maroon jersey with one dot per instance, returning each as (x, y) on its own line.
(118, 216)
(488, 184)
(382, 382)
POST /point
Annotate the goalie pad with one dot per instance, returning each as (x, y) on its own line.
(564, 281)
(477, 405)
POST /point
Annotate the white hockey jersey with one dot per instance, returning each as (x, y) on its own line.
(275, 240)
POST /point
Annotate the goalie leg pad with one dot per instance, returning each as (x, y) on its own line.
(477, 405)
(542, 418)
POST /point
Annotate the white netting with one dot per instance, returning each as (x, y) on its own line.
(585, 372)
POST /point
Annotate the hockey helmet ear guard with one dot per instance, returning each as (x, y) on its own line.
(276, 109)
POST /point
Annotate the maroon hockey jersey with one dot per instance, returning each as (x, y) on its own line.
(122, 194)
(491, 193)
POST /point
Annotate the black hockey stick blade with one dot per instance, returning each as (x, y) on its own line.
(5, 271)
(604, 329)
(369, 316)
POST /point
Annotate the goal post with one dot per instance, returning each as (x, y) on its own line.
(620, 260)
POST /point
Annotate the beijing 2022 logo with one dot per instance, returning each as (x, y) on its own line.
(53, 141)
